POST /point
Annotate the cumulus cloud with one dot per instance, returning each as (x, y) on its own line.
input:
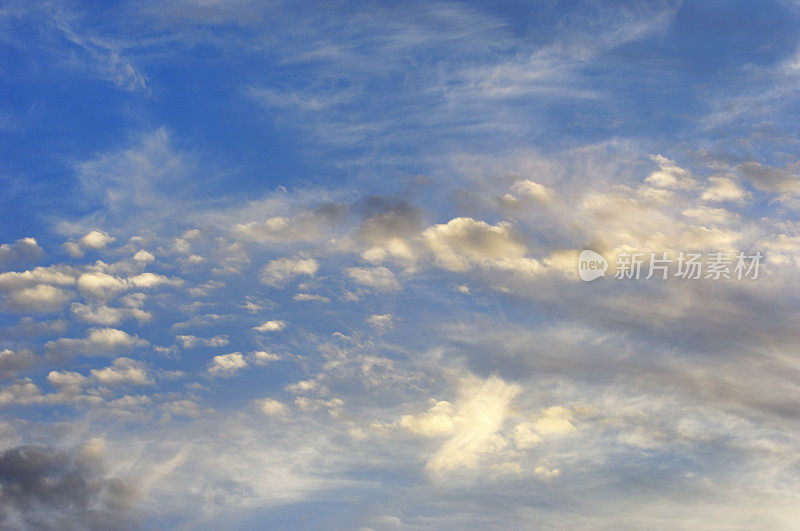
(123, 371)
(41, 298)
(377, 278)
(106, 315)
(277, 272)
(103, 286)
(271, 407)
(669, 174)
(99, 341)
(724, 188)
(94, 240)
(189, 341)
(533, 191)
(144, 257)
(262, 357)
(465, 243)
(270, 326)
(380, 322)
(13, 361)
(22, 250)
(226, 365)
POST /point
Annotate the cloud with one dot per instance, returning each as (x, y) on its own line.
(465, 243)
(41, 488)
(271, 407)
(106, 315)
(785, 181)
(478, 416)
(262, 357)
(533, 191)
(123, 371)
(94, 240)
(189, 341)
(99, 341)
(22, 250)
(380, 322)
(723, 188)
(270, 326)
(226, 365)
(311, 297)
(377, 278)
(103, 286)
(13, 361)
(144, 257)
(40, 299)
(669, 174)
(277, 272)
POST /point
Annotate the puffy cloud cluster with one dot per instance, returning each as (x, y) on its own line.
(94, 240)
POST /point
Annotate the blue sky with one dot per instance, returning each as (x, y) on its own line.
(314, 265)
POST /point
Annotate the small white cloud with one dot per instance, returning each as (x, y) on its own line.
(271, 407)
(188, 341)
(380, 322)
(532, 190)
(144, 257)
(123, 371)
(95, 240)
(310, 297)
(279, 271)
(270, 326)
(226, 365)
(669, 174)
(379, 278)
(262, 357)
(724, 189)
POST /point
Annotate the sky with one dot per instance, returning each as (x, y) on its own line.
(316, 265)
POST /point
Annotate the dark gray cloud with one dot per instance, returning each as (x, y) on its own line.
(45, 489)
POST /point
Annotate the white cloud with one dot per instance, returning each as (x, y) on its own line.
(464, 243)
(534, 191)
(226, 365)
(378, 278)
(98, 341)
(724, 189)
(669, 174)
(95, 240)
(39, 298)
(24, 249)
(271, 407)
(106, 315)
(311, 297)
(262, 357)
(144, 257)
(277, 272)
(470, 425)
(189, 341)
(123, 371)
(380, 321)
(270, 326)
